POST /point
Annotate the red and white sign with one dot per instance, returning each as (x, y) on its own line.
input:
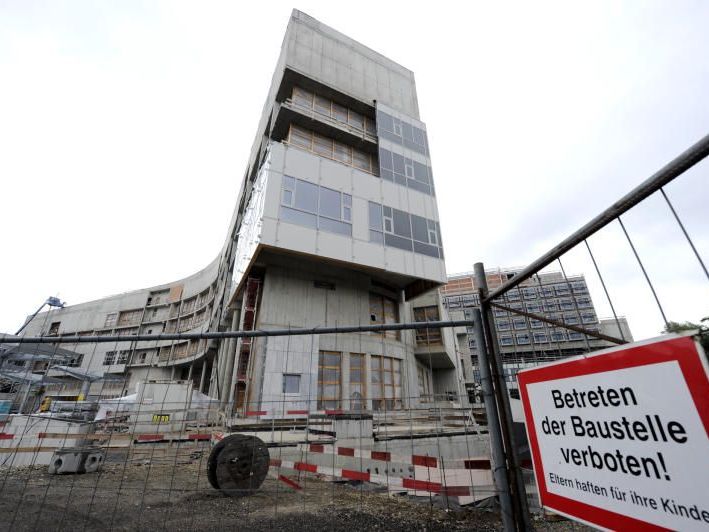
(620, 438)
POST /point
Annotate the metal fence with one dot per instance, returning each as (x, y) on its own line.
(377, 454)
(164, 455)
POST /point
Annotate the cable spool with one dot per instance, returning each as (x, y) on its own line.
(238, 465)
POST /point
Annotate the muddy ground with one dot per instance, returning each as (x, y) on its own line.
(176, 497)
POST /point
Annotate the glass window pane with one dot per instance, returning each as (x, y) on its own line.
(330, 203)
(347, 214)
(322, 105)
(361, 160)
(339, 112)
(302, 97)
(356, 120)
(287, 198)
(322, 145)
(301, 137)
(402, 223)
(384, 121)
(299, 217)
(375, 216)
(376, 236)
(306, 196)
(385, 159)
(331, 359)
(398, 165)
(288, 182)
(420, 228)
(343, 153)
(334, 226)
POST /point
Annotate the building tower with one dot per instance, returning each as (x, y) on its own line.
(336, 223)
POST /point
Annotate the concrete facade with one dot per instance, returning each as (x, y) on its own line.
(336, 222)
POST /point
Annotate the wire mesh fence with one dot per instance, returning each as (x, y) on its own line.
(327, 433)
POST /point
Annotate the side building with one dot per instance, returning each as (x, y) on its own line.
(336, 223)
(524, 341)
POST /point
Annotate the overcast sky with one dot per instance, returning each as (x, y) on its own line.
(125, 129)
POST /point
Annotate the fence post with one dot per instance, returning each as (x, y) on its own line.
(519, 496)
(499, 465)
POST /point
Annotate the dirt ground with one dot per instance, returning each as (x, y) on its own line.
(142, 496)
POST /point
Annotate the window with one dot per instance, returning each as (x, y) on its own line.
(129, 317)
(536, 324)
(109, 358)
(291, 383)
(401, 132)
(331, 109)
(561, 289)
(76, 361)
(522, 338)
(503, 325)
(566, 304)
(330, 148)
(111, 319)
(558, 336)
(358, 381)
(427, 336)
(470, 300)
(584, 302)
(529, 292)
(304, 203)
(588, 317)
(571, 320)
(519, 323)
(540, 338)
(54, 328)
(329, 382)
(547, 291)
(404, 171)
(534, 307)
(302, 97)
(386, 383)
(384, 310)
(574, 336)
(123, 357)
(506, 340)
(399, 229)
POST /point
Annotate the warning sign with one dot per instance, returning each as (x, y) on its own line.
(620, 439)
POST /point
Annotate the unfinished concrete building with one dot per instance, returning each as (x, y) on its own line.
(336, 223)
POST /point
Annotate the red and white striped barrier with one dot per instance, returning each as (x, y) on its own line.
(385, 480)
(413, 459)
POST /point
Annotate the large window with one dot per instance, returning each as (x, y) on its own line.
(427, 336)
(329, 380)
(386, 383)
(383, 310)
(399, 229)
(402, 132)
(358, 382)
(324, 106)
(331, 149)
(309, 205)
(404, 171)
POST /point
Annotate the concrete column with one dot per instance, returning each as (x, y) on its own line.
(227, 394)
(204, 374)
